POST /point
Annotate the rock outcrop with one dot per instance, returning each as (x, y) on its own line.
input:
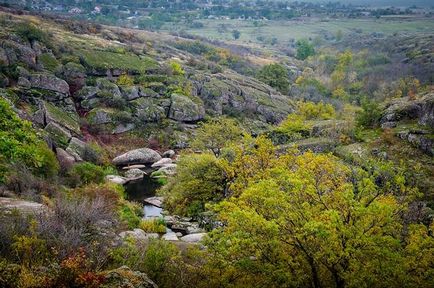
(137, 156)
(125, 277)
(233, 94)
(27, 207)
(186, 109)
(193, 238)
(49, 82)
(421, 109)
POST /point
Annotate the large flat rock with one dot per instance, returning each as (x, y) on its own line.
(28, 207)
(137, 156)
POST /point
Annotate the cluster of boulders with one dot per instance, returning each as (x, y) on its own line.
(135, 163)
(139, 162)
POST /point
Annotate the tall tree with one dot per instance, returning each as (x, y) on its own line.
(308, 225)
(304, 49)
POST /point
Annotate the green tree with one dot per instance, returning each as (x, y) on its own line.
(308, 225)
(369, 116)
(304, 49)
(276, 76)
(199, 180)
(236, 34)
(215, 134)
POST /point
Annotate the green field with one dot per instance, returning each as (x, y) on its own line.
(287, 30)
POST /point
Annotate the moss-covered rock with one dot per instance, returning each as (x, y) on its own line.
(49, 82)
(74, 74)
(14, 52)
(401, 109)
(137, 156)
(149, 110)
(105, 85)
(125, 277)
(66, 119)
(48, 61)
(98, 116)
(186, 109)
(130, 92)
(76, 148)
(59, 135)
(235, 95)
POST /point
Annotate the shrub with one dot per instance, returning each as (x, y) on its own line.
(22, 181)
(199, 178)
(155, 258)
(125, 79)
(370, 115)
(85, 173)
(276, 76)
(76, 223)
(31, 33)
(294, 126)
(130, 214)
(215, 134)
(304, 49)
(112, 193)
(176, 68)
(153, 225)
(318, 111)
(196, 47)
(19, 143)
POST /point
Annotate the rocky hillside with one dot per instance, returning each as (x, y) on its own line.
(73, 80)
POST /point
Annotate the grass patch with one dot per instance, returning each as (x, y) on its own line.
(130, 213)
(111, 60)
(153, 225)
(50, 63)
(62, 117)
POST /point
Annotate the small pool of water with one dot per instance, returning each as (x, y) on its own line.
(151, 211)
(141, 189)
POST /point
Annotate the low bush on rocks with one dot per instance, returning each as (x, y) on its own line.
(153, 225)
(85, 173)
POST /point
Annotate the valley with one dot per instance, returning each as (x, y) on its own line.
(288, 151)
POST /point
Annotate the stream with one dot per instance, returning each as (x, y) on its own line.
(139, 190)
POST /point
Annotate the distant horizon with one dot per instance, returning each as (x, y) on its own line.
(424, 3)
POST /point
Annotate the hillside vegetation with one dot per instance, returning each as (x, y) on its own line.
(308, 165)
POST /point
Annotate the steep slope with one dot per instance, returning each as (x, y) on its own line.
(76, 77)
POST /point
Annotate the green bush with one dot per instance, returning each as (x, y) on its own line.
(31, 33)
(153, 225)
(304, 49)
(370, 115)
(20, 144)
(125, 79)
(294, 126)
(155, 258)
(316, 111)
(86, 173)
(276, 76)
(131, 214)
(176, 68)
(199, 178)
